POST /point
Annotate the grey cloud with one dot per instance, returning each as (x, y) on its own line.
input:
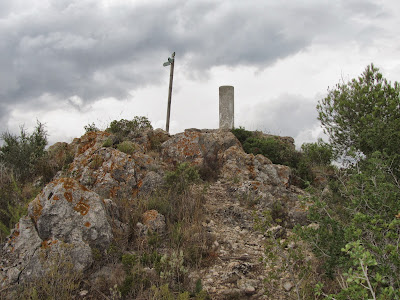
(286, 115)
(83, 48)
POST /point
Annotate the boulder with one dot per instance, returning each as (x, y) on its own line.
(110, 172)
(152, 221)
(240, 166)
(150, 183)
(107, 171)
(199, 147)
(65, 221)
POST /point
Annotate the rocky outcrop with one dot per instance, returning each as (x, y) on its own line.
(65, 218)
(199, 147)
(77, 213)
(107, 171)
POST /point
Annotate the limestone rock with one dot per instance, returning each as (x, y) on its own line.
(110, 172)
(64, 222)
(151, 182)
(199, 147)
(243, 167)
(152, 221)
(287, 286)
(89, 142)
(107, 171)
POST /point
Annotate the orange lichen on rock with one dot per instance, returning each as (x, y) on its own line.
(68, 196)
(188, 146)
(87, 224)
(82, 207)
(48, 243)
(84, 147)
(69, 183)
(140, 183)
(149, 215)
(37, 209)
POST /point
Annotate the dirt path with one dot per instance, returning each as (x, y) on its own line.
(238, 271)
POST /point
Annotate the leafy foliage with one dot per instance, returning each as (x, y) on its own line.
(180, 179)
(127, 147)
(360, 217)
(279, 152)
(363, 114)
(242, 134)
(123, 127)
(318, 154)
(91, 128)
(22, 153)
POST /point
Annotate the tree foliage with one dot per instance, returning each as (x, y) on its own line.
(361, 214)
(363, 114)
(125, 127)
(22, 153)
(318, 153)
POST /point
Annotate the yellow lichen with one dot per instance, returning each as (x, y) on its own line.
(68, 196)
(82, 207)
(37, 209)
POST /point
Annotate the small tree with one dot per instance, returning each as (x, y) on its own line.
(22, 153)
(318, 154)
(363, 114)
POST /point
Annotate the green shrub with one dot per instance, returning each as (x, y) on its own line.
(91, 128)
(242, 134)
(127, 147)
(14, 199)
(180, 180)
(22, 153)
(280, 152)
(318, 154)
(129, 260)
(96, 161)
(108, 143)
(123, 128)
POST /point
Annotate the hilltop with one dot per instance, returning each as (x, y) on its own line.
(147, 215)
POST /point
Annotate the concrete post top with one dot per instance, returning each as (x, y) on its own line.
(226, 87)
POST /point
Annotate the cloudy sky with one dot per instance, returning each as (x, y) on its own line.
(71, 63)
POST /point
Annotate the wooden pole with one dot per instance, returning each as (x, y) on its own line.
(171, 78)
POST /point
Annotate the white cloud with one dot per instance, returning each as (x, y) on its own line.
(70, 63)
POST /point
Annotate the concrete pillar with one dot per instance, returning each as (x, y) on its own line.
(226, 107)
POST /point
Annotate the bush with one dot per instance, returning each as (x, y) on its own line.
(363, 114)
(91, 128)
(126, 147)
(123, 128)
(22, 153)
(180, 179)
(279, 152)
(318, 154)
(362, 213)
(242, 134)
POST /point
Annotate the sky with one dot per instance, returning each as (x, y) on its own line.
(71, 63)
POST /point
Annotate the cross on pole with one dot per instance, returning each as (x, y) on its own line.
(171, 61)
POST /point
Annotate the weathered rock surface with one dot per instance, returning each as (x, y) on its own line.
(76, 213)
(110, 172)
(199, 147)
(237, 272)
(152, 221)
(65, 218)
